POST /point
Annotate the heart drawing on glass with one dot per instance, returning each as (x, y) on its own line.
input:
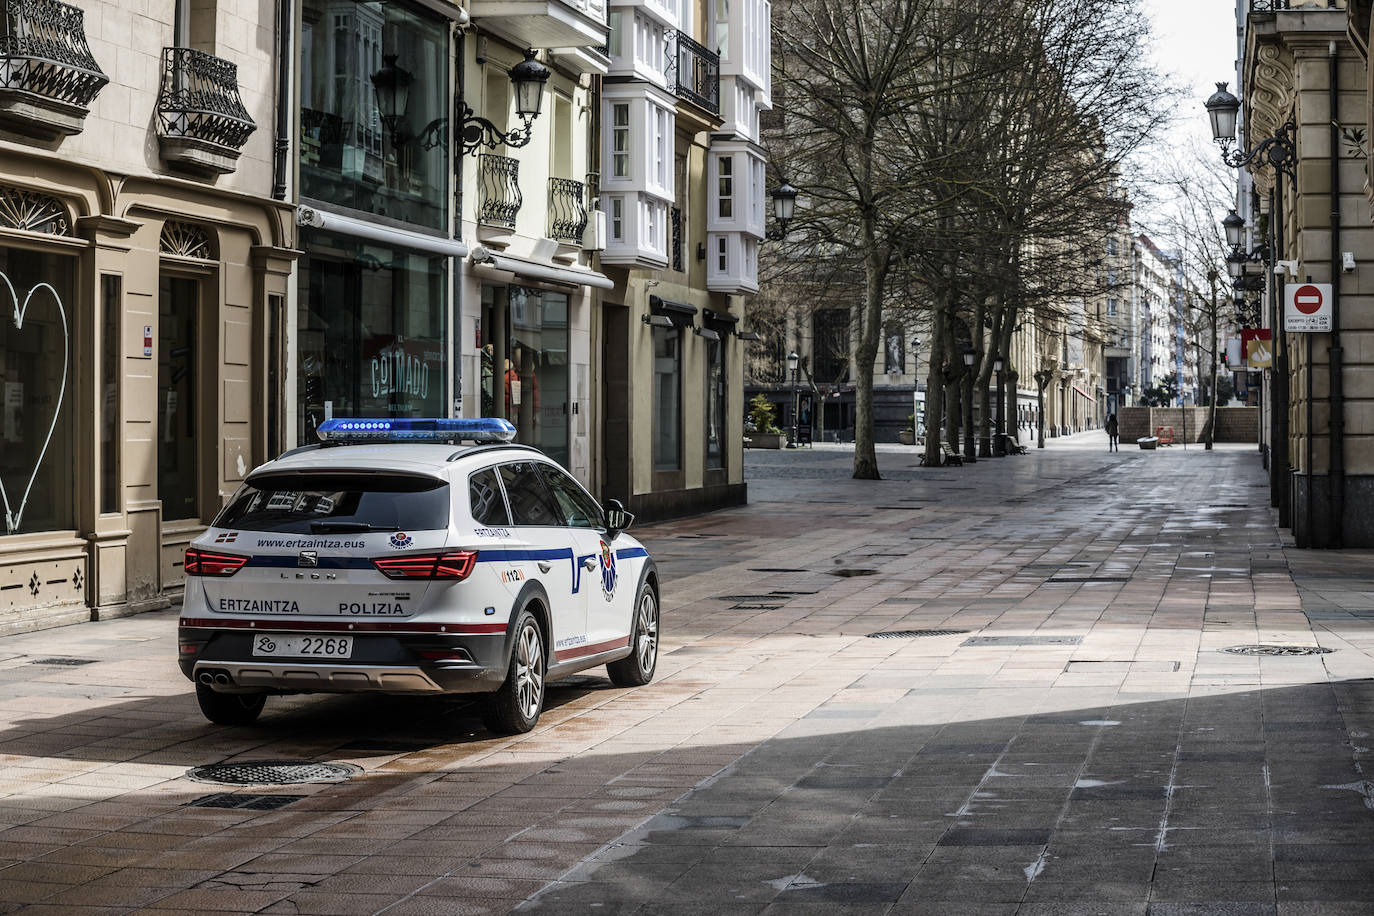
(13, 517)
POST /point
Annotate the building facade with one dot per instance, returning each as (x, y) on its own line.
(146, 256)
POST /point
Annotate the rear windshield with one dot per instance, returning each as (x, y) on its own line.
(338, 504)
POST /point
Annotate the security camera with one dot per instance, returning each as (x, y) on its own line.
(1347, 262)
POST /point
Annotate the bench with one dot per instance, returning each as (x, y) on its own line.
(1012, 446)
(948, 456)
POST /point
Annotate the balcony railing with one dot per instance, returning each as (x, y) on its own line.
(1268, 6)
(199, 100)
(45, 63)
(498, 190)
(693, 71)
(567, 210)
(675, 238)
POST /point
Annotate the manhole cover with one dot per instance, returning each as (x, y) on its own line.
(1022, 641)
(245, 802)
(1276, 650)
(914, 634)
(272, 772)
(848, 573)
(67, 662)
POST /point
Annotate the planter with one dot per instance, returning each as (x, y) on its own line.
(766, 440)
(907, 437)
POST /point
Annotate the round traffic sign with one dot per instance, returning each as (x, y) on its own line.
(1307, 299)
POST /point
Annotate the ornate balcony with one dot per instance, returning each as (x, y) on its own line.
(48, 77)
(693, 71)
(202, 124)
(498, 191)
(567, 210)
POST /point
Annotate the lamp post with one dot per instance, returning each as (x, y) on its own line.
(792, 362)
(999, 445)
(1042, 379)
(528, 77)
(784, 208)
(970, 453)
(917, 418)
(1279, 152)
(392, 86)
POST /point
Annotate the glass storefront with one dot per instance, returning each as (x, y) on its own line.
(715, 403)
(528, 338)
(374, 112)
(371, 327)
(37, 339)
(667, 399)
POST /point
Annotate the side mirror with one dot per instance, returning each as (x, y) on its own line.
(617, 519)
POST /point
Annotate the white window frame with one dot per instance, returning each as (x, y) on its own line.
(620, 134)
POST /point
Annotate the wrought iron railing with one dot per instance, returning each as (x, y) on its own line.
(43, 50)
(200, 99)
(1268, 6)
(693, 71)
(567, 210)
(675, 237)
(498, 190)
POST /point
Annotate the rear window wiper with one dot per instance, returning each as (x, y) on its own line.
(346, 527)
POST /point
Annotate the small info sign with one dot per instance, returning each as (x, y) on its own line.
(1307, 308)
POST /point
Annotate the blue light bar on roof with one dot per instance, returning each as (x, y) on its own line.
(486, 429)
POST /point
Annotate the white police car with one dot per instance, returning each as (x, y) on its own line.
(385, 560)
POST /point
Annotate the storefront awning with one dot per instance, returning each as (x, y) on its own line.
(1084, 393)
(534, 270)
(376, 232)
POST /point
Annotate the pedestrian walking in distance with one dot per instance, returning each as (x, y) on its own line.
(1111, 433)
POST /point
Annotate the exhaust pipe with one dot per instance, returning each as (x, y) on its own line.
(222, 679)
(206, 678)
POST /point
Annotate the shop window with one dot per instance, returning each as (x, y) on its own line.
(725, 185)
(37, 417)
(620, 140)
(371, 331)
(715, 403)
(529, 329)
(178, 477)
(388, 155)
(110, 310)
(667, 396)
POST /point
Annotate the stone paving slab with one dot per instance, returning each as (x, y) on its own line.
(1101, 754)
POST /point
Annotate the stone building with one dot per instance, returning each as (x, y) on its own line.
(145, 254)
(1306, 106)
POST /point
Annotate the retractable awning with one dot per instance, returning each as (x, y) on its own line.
(534, 270)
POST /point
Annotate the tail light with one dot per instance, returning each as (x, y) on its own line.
(452, 565)
(206, 563)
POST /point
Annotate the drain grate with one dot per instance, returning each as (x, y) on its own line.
(776, 569)
(1022, 641)
(914, 634)
(755, 607)
(849, 573)
(775, 597)
(1089, 579)
(1277, 650)
(272, 772)
(244, 802)
(65, 662)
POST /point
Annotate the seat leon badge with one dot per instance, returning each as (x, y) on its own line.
(308, 559)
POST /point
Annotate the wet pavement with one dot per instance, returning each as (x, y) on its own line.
(1051, 724)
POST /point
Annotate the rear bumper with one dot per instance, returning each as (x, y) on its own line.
(386, 658)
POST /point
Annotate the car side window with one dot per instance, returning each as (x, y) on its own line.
(577, 508)
(484, 495)
(530, 500)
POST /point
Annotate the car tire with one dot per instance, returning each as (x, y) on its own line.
(515, 708)
(637, 668)
(229, 708)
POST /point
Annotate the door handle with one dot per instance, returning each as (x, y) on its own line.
(545, 566)
(589, 563)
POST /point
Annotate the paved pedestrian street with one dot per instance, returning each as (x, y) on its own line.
(1047, 722)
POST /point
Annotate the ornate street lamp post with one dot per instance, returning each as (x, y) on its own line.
(792, 362)
(999, 445)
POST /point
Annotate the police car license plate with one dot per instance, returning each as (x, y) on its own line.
(271, 645)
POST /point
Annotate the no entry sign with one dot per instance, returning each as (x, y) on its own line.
(1307, 307)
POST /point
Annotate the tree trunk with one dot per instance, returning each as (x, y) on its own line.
(1212, 378)
(866, 354)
